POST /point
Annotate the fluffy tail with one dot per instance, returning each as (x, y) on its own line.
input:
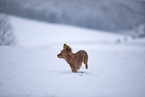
(86, 66)
(86, 60)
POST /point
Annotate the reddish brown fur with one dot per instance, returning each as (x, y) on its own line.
(74, 59)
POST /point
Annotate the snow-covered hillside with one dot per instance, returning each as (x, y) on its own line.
(32, 33)
(32, 69)
(108, 15)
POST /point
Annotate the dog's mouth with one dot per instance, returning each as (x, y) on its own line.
(59, 56)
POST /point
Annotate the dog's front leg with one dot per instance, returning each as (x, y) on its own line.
(74, 69)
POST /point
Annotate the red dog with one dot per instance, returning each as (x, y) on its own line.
(74, 59)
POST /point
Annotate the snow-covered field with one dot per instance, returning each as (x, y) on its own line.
(32, 69)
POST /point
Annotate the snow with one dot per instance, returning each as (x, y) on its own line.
(51, 33)
(32, 69)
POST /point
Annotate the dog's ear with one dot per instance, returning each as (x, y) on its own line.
(64, 46)
(69, 50)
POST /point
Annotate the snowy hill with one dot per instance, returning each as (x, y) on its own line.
(108, 15)
(32, 69)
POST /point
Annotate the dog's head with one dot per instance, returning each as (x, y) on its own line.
(65, 52)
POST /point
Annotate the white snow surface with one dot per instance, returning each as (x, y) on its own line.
(32, 69)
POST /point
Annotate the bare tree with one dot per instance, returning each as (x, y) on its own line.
(6, 32)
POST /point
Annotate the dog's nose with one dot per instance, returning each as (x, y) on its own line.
(57, 55)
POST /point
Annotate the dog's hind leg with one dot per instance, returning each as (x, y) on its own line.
(79, 65)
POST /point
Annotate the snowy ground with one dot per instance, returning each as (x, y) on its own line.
(32, 69)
